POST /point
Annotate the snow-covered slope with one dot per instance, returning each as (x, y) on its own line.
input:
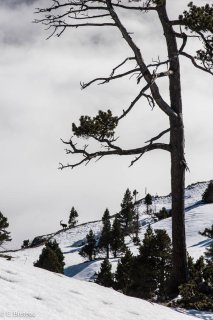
(34, 292)
(198, 217)
(29, 292)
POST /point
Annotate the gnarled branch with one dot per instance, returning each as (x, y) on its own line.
(87, 156)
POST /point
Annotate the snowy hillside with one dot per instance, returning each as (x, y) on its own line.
(46, 295)
(29, 292)
(198, 217)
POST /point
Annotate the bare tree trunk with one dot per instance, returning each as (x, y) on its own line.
(178, 206)
(178, 164)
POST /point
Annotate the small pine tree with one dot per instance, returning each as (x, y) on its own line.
(105, 238)
(124, 272)
(4, 234)
(148, 202)
(55, 247)
(105, 277)
(89, 250)
(207, 196)
(49, 259)
(127, 213)
(117, 238)
(73, 218)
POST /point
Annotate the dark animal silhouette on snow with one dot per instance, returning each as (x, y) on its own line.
(64, 225)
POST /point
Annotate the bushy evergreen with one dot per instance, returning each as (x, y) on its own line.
(55, 247)
(4, 234)
(105, 277)
(51, 258)
(148, 202)
(163, 214)
(123, 274)
(117, 238)
(89, 249)
(153, 266)
(198, 292)
(207, 196)
(105, 237)
(73, 218)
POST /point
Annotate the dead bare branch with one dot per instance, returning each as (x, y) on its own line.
(135, 160)
(87, 156)
(158, 136)
(121, 64)
(108, 79)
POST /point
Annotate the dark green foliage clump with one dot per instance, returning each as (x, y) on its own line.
(198, 292)
(105, 237)
(152, 267)
(198, 18)
(101, 126)
(117, 238)
(89, 250)
(163, 214)
(51, 258)
(105, 276)
(73, 218)
(4, 234)
(124, 272)
(207, 196)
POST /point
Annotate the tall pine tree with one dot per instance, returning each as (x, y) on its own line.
(105, 238)
(127, 213)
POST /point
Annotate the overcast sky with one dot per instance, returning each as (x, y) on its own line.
(41, 97)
